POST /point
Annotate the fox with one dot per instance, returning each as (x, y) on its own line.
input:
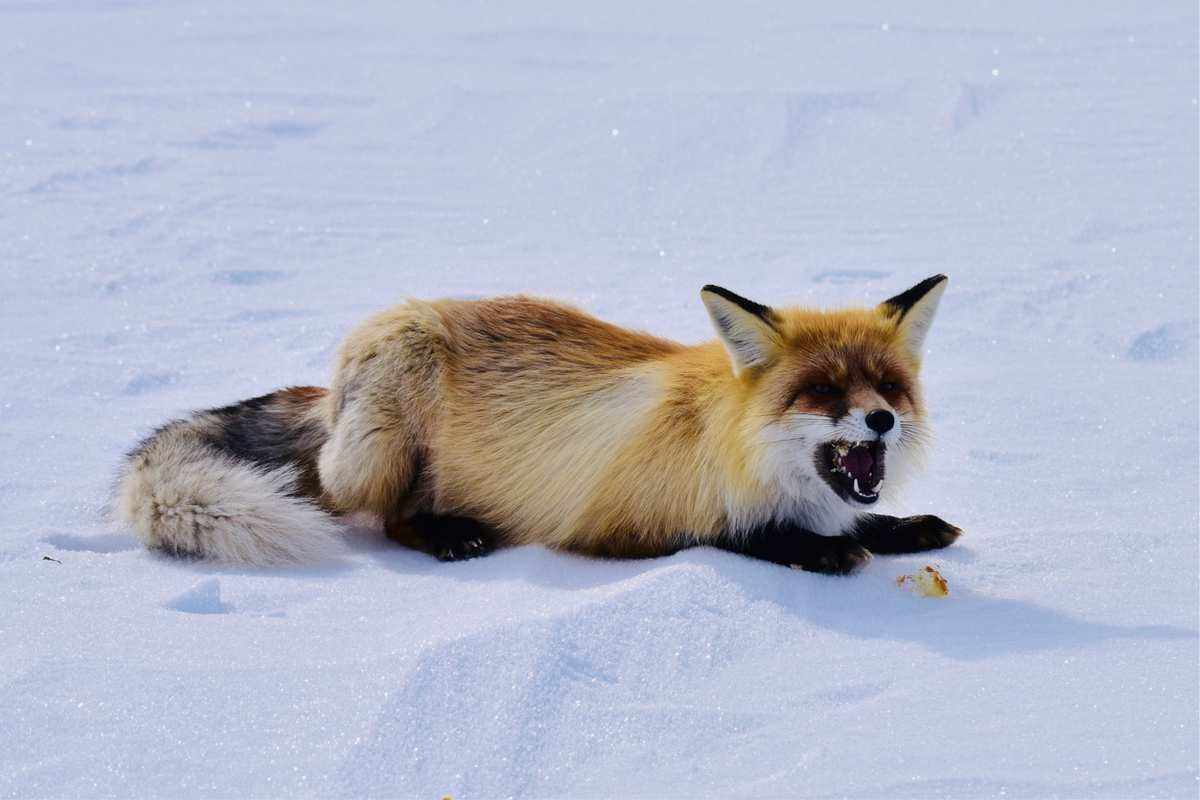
(469, 425)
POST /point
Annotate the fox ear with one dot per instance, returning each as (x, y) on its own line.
(913, 311)
(746, 328)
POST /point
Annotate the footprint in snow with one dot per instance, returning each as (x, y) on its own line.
(269, 315)
(85, 121)
(203, 598)
(850, 694)
(250, 277)
(206, 598)
(256, 135)
(1162, 343)
(150, 382)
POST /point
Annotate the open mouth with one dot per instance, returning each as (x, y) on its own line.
(854, 470)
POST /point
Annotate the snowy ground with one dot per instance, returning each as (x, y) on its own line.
(198, 199)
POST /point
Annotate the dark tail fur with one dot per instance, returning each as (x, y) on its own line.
(236, 484)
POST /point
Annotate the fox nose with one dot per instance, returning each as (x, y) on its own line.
(881, 421)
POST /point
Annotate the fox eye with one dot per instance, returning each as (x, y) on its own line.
(822, 388)
(889, 387)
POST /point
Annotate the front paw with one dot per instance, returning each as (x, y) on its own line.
(465, 550)
(926, 532)
(833, 555)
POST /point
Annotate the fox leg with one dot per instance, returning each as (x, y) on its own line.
(796, 547)
(380, 409)
(367, 464)
(444, 536)
(891, 535)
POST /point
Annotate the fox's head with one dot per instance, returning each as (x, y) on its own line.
(834, 399)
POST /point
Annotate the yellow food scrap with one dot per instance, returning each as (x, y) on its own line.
(926, 582)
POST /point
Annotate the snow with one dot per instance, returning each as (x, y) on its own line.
(200, 199)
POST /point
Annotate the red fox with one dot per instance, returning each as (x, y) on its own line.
(469, 425)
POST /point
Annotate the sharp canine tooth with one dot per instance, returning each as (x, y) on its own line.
(856, 488)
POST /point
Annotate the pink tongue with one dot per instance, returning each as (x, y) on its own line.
(859, 462)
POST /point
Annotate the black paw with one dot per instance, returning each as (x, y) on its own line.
(925, 532)
(451, 538)
(466, 549)
(892, 535)
(833, 555)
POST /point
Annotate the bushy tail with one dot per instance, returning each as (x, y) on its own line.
(234, 484)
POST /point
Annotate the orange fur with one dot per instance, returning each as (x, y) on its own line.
(557, 428)
(549, 426)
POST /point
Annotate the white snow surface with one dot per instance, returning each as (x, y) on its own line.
(198, 199)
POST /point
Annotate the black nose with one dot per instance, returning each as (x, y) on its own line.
(880, 421)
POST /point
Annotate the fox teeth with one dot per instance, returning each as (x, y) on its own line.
(858, 489)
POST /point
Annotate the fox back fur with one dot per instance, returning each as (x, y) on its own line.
(546, 425)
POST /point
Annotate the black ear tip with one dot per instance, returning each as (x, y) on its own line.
(757, 309)
(905, 300)
(932, 282)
